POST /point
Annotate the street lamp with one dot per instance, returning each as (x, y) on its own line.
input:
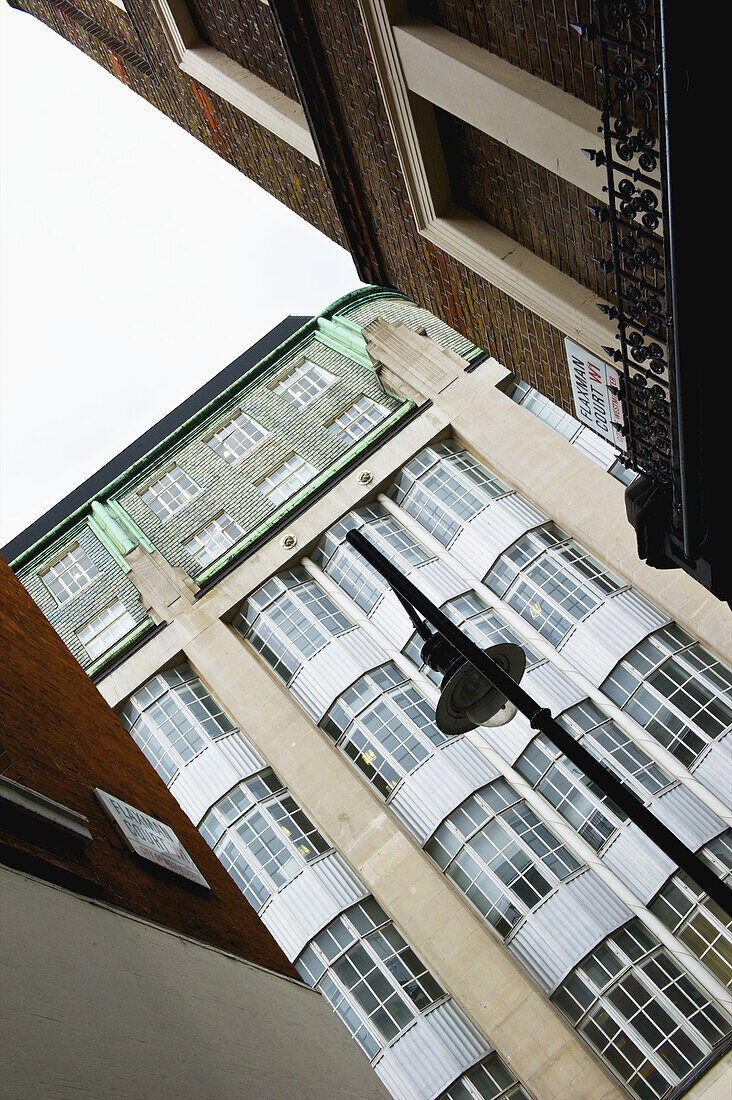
(479, 687)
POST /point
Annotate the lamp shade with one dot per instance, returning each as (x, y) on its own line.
(468, 699)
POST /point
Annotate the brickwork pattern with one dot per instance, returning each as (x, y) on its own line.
(531, 205)
(111, 584)
(535, 37)
(234, 488)
(61, 739)
(248, 34)
(146, 66)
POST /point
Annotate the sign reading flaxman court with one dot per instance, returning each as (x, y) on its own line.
(149, 837)
(595, 386)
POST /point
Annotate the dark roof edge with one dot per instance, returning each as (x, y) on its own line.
(94, 485)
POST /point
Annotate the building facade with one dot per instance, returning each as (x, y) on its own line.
(506, 169)
(479, 917)
(129, 971)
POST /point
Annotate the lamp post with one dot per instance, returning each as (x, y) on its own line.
(478, 683)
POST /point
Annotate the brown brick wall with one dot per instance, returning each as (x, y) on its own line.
(248, 34)
(148, 69)
(61, 739)
(533, 36)
(531, 205)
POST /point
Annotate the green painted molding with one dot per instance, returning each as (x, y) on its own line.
(129, 525)
(346, 338)
(110, 533)
(323, 477)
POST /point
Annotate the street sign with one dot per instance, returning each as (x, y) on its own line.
(149, 837)
(595, 388)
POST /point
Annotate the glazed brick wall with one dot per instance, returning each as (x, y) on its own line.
(233, 487)
(531, 205)
(132, 48)
(248, 34)
(111, 584)
(61, 739)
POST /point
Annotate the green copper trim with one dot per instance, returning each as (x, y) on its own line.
(109, 656)
(347, 339)
(129, 525)
(110, 534)
(336, 312)
(321, 479)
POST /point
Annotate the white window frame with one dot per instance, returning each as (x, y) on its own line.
(217, 440)
(496, 257)
(217, 528)
(258, 100)
(169, 512)
(344, 432)
(283, 383)
(89, 577)
(124, 616)
(271, 484)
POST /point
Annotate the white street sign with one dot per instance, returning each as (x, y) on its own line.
(149, 837)
(595, 404)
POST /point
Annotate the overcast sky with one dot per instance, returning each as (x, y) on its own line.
(135, 264)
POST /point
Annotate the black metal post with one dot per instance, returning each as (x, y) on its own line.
(541, 719)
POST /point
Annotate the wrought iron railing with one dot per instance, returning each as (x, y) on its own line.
(626, 38)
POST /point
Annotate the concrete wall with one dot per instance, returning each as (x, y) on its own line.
(98, 1003)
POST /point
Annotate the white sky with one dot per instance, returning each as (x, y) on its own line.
(135, 265)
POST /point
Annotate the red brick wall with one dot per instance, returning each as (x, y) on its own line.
(61, 739)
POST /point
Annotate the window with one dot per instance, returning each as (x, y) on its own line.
(287, 479)
(491, 1079)
(697, 920)
(676, 690)
(551, 581)
(237, 437)
(105, 629)
(358, 420)
(369, 975)
(214, 539)
(289, 619)
(576, 797)
(172, 718)
(304, 383)
(642, 1014)
(349, 570)
(443, 487)
(170, 493)
(74, 571)
(385, 726)
(500, 855)
(261, 836)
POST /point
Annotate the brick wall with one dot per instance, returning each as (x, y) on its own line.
(61, 739)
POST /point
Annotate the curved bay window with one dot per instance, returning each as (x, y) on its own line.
(289, 619)
(369, 975)
(697, 920)
(261, 836)
(491, 1079)
(385, 726)
(676, 690)
(646, 1018)
(172, 718)
(551, 581)
(500, 855)
(443, 487)
(350, 571)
